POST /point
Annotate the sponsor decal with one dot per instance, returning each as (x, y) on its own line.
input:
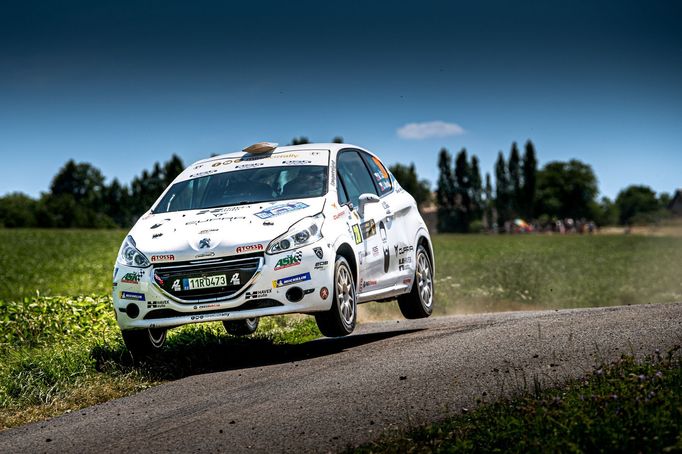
(332, 174)
(132, 278)
(308, 291)
(132, 296)
(357, 234)
(157, 304)
(318, 252)
(257, 294)
(404, 250)
(205, 254)
(324, 293)
(249, 248)
(249, 165)
(296, 162)
(235, 279)
(155, 226)
(205, 243)
(404, 263)
(375, 251)
(218, 212)
(368, 283)
(207, 306)
(385, 205)
(339, 215)
(221, 218)
(203, 174)
(176, 285)
(368, 228)
(290, 260)
(281, 209)
(321, 265)
(268, 223)
(156, 235)
(290, 280)
(407, 281)
(204, 232)
(163, 258)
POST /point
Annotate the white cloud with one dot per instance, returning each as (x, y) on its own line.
(429, 129)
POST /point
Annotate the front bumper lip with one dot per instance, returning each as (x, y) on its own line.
(240, 292)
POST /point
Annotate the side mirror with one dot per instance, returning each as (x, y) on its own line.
(364, 200)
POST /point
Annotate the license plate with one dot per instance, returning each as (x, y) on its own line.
(193, 283)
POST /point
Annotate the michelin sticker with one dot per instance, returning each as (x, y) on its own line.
(281, 209)
(290, 280)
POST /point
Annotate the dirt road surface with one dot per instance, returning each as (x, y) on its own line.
(329, 394)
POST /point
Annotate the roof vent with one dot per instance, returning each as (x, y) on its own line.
(260, 147)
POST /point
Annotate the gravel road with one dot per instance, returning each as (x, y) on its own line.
(328, 394)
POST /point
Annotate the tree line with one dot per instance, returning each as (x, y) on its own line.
(558, 191)
(79, 196)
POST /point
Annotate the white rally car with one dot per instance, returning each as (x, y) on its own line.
(313, 229)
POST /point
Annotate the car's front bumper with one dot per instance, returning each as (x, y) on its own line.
(139, 301)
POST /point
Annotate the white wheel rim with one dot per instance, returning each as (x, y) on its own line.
(345, 295)
(424, 281)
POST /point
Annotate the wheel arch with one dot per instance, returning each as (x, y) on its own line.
(424, 239)
(346, 251)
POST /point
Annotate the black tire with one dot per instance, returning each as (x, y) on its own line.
(340, 319)
(144, 343)
(241, 327)
(419, 302)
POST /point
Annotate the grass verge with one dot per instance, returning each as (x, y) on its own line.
(63, 354)
(626, 406)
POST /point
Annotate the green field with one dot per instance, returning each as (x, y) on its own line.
(60, 348)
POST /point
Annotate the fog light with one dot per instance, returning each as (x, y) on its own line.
(294, 294)
(132, 310)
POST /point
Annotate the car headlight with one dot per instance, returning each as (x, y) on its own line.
(129, 255)
(304, 232)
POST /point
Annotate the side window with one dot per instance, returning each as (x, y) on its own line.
(378, 171)
(343, 198)
(355, 176)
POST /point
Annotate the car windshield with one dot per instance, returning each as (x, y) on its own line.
(242, 187)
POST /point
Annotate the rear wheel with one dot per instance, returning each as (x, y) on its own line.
(419, 302)
(144, 342)
(241, 327)
(340, 319)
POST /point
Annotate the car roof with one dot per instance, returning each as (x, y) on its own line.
(331, 147)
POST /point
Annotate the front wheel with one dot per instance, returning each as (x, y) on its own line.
(340, 319)
(241, 327)
(144, 342)
(419, 302)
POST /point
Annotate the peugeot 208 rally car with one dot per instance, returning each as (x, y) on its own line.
(313, 229)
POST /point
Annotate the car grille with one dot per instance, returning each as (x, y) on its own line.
(239, 270)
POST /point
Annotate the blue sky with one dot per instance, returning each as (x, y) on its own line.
(122, 85)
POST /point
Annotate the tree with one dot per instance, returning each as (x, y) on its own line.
(18, 210)
(82, 181)
(530, 168)
(445, 193)
(408, 179)
(337, 139)
(172, 168)
(638, 204)
(567, 190)
(462, 192)
(489, 202)
(502, 190)
(515, 180)
(606, 212)
(476, 190)
(300, 140)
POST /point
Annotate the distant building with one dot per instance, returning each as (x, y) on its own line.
(675, 205)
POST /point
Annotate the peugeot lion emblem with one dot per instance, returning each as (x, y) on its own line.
(206, 242)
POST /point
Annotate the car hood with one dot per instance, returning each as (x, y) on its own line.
(198, 234)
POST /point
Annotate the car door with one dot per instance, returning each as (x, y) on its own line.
(367, 225)
(398, 230)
